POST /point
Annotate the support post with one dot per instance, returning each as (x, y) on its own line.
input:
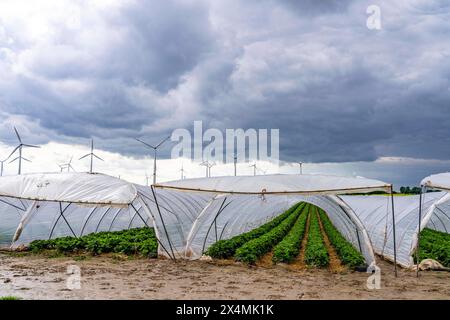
(418, 233)
(393, 231)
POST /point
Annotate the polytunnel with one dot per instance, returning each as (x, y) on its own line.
(412, 214)
(195, 213)
(51, 205)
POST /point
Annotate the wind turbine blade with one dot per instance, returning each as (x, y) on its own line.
(14, 160)
(26, 159)
(148, 145)
(162, 142)
(98, 157)
(13, 152)
(70, 166)
(84, 157)
(70, 160)
(18, 136)
(30, 145)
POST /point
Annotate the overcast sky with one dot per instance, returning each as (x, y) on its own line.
(347, 99)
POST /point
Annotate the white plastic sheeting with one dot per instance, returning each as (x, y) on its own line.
(279, 184)
(375, 213)
(196, 213)
(69, 187)
(439, 181)
(188, 215)
(48, 206)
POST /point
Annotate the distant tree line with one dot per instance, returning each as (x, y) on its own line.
(403, 190)
(409, 190)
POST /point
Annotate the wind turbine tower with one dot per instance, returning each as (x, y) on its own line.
(20, 147)
(155, 148)
(92, 155)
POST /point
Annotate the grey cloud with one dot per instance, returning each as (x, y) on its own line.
(337, 91)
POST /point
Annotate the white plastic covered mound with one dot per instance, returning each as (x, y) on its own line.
(375, 213)
(69, 187)
(48, 206)
(196, 213)
(279, 184)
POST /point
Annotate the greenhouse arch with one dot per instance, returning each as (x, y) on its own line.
(50, 205)
(412, 215)
(234, 205)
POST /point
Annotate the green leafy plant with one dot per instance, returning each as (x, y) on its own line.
(8, 298)
(345, 250)
(251, 251)
(224, 249)
(139, 241)
(289, 247)
(434, 245)
(316, 253)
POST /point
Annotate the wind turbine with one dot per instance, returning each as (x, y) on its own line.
(61, 167)
(301, 167)
(210, 165)
(155, 148)
(254, 168)
(92, 155)
(20, 147)
(206, 165)
(146, 179)
(1, 165)
(67, 166)
(235, 166)
(182, 172)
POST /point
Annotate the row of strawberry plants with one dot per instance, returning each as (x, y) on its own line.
(316, 254)
(289, 247)
(138, 241)
(224, 249)
(251, 251)
(435, 245)
(347, 253)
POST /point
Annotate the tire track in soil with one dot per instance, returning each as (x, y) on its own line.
(335, 265)
(299, 263)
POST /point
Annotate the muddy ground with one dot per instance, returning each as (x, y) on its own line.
(117, 277)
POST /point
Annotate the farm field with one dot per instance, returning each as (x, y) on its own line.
(297, 255)
(114, 276)
(303, 236)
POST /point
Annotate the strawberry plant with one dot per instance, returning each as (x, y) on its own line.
(434, 245)
(224, 249)
(256, 248)
(316, 253)
(139, 241)
(345, 250)
(289, 247)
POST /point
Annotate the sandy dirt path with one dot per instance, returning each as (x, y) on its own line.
(105, 277)
(335, 264)
(299, 263)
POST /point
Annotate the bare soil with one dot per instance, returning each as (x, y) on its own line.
(335, 264)
(117, 277)
(299, 263)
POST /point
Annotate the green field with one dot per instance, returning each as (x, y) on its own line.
(283, 236)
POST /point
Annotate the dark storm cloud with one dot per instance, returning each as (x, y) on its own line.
(336, 90)
(317, 6)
